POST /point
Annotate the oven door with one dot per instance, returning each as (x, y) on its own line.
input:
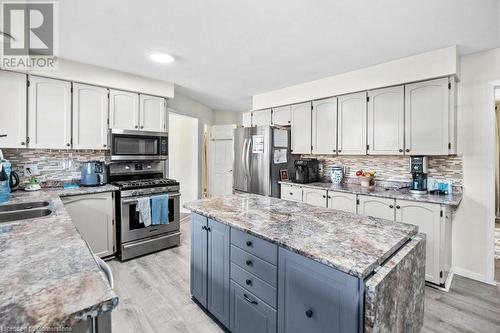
(132, 229)
(137, 145)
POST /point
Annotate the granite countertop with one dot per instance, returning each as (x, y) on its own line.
(50, 277)
(352, 243)
(377, 191)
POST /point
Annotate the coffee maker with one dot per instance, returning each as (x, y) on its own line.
(306, 170)
(419, 169)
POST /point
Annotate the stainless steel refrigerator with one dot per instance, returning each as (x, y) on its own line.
(260, 153)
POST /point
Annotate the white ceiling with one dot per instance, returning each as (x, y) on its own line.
(229, 50)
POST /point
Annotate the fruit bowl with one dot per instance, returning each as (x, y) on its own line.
(365, 181)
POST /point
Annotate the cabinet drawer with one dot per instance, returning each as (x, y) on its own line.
(256, 246)
(255, 285)
(289, 192)
(249, 314)
(258, 267)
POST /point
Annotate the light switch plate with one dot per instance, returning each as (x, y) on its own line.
(31, 170)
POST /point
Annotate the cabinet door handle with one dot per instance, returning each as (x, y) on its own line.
(249, 243)
(104, 145)
(3, 135)
(391, 206)
(401, 150)
(249, 300)
(67, 145)
(329, 197)
(23, 143)
(248, 282)
(407, 150)
(291, 193)
(340, 150)
(136, 126)
(249, 262)
(398, 207)
(203, 228)
(142, 126)
(309, 313)
(324, 196)
(209, 229)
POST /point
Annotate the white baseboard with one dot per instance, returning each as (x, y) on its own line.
(473, 275)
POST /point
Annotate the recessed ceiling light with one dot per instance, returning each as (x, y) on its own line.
(161, 57)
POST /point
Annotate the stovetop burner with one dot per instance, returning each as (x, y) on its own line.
(144, 183)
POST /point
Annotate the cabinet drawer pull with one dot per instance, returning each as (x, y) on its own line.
(203, 228)
(249, 262)
(248, 282)
(249, 300)
(249, 243)
(309, 313)
(3, 135)
(391, 206)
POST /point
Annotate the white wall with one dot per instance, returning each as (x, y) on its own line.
(183, 105)
(183, 155)
(474, 221)
(227, 117)
(85, 73)
(433, 64)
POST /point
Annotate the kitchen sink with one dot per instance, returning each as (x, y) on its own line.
(24, 214)
(23, 205)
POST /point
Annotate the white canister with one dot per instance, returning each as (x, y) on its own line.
(336, 174)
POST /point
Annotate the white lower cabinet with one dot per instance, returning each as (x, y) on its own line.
(342, 201)
(93, 216)
(315, 197)
(376, 207)
(436, 225)
(291, 192)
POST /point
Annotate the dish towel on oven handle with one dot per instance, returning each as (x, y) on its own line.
(159, 209)
(144, 208)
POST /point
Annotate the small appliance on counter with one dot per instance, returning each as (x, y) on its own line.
(306, 170)
(419, 168)
(93, 173)
(9, 180)
(336, 174)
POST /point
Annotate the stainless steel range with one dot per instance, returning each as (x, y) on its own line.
(138, 180)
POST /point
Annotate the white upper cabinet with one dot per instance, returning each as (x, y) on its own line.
(386, 121)
(352, 124)
(49, 113)
(427, 118)
(90, 117)
(153, 113)
(12, 110)
(247, 119)
(301, 128)
(261, 117)
(123, 109)
(324, 126)
(282, 115)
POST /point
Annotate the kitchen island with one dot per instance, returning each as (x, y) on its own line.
(263, 264)
(50, 279)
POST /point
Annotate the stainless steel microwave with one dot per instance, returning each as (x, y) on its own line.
(137, 145)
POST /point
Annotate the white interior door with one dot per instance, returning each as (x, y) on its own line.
(183, 155)
(90, 117)
(221, 173)
(12, 110)
(49, 113)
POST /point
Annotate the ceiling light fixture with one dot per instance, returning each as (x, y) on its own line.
(163, 58)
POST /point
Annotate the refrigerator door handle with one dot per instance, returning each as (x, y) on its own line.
(243, 158)
(248, 158)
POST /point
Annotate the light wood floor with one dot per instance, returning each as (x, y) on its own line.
(154, 297)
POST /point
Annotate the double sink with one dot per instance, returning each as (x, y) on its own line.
(23, 211)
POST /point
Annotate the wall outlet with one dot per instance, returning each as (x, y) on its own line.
(31, 170)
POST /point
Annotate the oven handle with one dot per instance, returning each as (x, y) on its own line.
(127, 201)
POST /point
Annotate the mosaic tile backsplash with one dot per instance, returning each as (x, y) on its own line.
(391, 168)
(54, 166)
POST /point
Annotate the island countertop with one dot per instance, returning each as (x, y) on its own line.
(351, 243)
(50, 277)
